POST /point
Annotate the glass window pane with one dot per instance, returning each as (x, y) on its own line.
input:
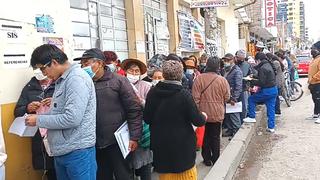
(164, 16)
(120, 13)
(93, 8)
(106, 1)
(156, 14)
(108, 45)
(122, 55)
(119, 3)
(106, 21)
(122, 35)
(147, 2)
(121, 24)
(80, 29)
(121, 45)
(155, 4)
(148, 10)
(81, 43)
(105, 10)
(79, 15)
(163, 7)
(79, 4)
(107, 33)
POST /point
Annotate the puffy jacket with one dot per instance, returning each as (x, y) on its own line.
(33, 91)
(116, 103)
(266, 76)
(234, 78)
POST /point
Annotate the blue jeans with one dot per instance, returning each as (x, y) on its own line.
(267, 96)
(77, 165)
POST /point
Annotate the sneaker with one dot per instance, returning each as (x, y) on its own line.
(249, 120)
(317, 121)
(270, 130)
(313, 117)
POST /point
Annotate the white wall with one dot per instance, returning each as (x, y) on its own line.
(231, 28)
(24, 13)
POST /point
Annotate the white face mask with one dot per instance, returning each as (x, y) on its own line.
(133, 78)
(39, 75)
(190, 71)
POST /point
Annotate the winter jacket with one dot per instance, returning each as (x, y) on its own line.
(116, 103)
(280, 75)
(266, 77)
(71, 122)
(234, 78)
(314, 71)
(171, 111)
(246, 71)
(33, 91)
(211, 98)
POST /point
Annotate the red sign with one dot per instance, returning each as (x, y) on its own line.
(270, 12)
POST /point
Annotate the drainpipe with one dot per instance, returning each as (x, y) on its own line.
(254, 1)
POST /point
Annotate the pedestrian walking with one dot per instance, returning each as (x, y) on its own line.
(142, 158)
(233, 74)
(267, 93)
(314, 81)
(210, 92)
(71, 121)
(116, 103)
(245, 67)
(35, 98)
(170, 111)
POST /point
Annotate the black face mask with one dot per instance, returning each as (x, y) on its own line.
(314, 53)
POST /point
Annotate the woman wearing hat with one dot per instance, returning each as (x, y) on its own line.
(191, 71)
(170, 111)
(142, 157)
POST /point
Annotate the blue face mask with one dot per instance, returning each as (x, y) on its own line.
(112, 67)
(88, 69)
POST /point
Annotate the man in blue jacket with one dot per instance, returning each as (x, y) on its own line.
(71, 122)
(233, 74)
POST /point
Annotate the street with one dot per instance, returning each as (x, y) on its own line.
(290, 153)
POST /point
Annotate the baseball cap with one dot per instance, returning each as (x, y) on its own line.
(92, 53)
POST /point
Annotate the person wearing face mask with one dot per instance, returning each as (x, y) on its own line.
(246, 71)
(157, 76)
(113, 63)
(142, 157)
(36, 95)
(234, 76)
(203, 62)
(116, 103)
(190, 71)
(314, 81)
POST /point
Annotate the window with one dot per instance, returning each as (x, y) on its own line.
(101, 24)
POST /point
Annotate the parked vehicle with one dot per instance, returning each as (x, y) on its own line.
(303, 64)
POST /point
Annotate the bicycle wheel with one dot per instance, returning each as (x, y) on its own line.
(286, 97)
(297, 92)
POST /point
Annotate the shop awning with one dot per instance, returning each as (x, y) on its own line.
(261, 32)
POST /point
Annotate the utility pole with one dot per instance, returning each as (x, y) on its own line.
(210, 15)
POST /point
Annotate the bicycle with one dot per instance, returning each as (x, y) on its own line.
(292, 90)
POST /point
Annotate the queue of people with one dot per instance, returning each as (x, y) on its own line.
(181, 102)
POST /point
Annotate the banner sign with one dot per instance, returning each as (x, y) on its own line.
(270, 7)
(209, 3)
(192, 37)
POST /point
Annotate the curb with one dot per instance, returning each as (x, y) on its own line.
(228, 162)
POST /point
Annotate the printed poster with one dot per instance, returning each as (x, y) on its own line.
(54, 41)
(45, 24)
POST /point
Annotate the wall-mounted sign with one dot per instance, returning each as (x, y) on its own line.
(45, 24)
(271, 12)
(13, 37)
(54, 41)
(191, 33)
(209, 3)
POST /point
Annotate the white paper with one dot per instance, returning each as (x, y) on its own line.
(19, 128)
(123, 137)
(234, 109)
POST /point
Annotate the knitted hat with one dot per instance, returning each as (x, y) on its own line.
(172, 70)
